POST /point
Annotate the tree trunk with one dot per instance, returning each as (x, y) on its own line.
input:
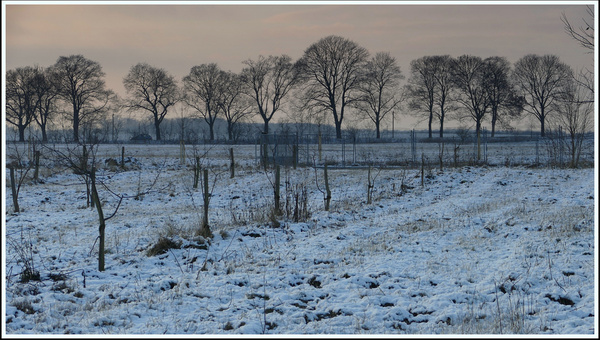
(44, 134)
(230, 130)
(430, 122)
(211, 129)
(338, 129)
(494, 118)
(75, 125)
(157, 129)
(22, 133)
(543, 130)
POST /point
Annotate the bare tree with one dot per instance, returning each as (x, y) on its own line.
(152, 90)
(539, 79)
(574, 113)
(202, 91)
(234, 104)
(379, 89)
(80, 84)
(444, 88)
(469, 76)
(504, 101)
(421, 88)
(584, 34)
(331, 68)
(46, 92)
(268, 81)
(21, 101)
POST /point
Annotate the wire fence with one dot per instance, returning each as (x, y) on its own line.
(556, 149)
(409, 149)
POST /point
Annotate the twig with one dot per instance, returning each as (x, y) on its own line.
(176, 260)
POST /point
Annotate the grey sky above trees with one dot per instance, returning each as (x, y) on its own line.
(178, 37)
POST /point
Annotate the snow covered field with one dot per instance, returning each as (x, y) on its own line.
(475, 250)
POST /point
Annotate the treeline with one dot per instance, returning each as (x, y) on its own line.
(334, 77)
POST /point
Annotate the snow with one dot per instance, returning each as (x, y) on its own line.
(475, 250)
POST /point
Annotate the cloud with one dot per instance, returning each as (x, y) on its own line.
(181, 36)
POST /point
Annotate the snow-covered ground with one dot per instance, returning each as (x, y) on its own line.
(475, 250)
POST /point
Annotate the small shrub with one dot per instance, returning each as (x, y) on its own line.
(62, 287)
(162, 246)
(228, 326)
(205, 232)
(224, 234)
(24, 306)
(273, 219)
(57, 277)
(29, 274)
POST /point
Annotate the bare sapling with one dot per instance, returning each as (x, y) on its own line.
(456, 148)
(13, 187)
(83, 171)
(296, 201)
(403, 186)
(441, 155)
(196, 159)
(232, 163)
(265, 159)
(74, 161)
(101, 219)
(205, 228)
(181, 152)
(123, 157)
(36, 160)
(196, 172)
(320, 146)
(276, 190)
(371, 184)
(422, 168)
(18, 168)
(327, 192)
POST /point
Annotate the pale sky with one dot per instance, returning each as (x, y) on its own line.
(178, 37)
